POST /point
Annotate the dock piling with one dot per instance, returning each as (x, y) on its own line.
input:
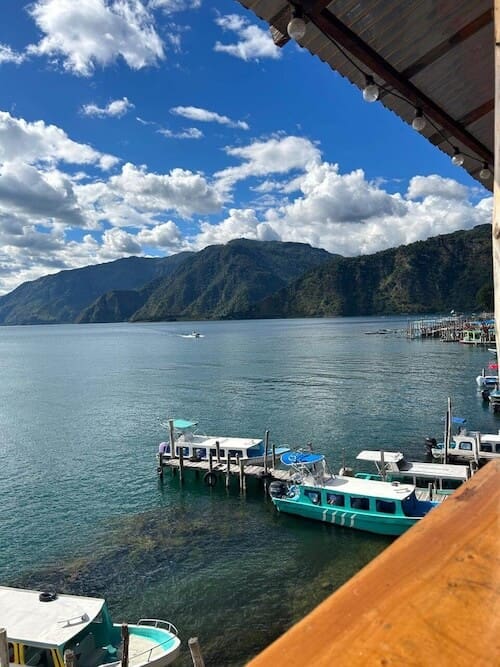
(210, 461)
(194, 648)
(4, 649)
(243, 484)
(228, 470)
(266, 450)
(217, 451)
(273, 449)
(181, 464)
(125, 638)
(69, 658)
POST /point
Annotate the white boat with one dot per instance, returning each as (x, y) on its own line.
(184, 437)
(486, 381)
(193, 334)
(437, 479)
(41, 626)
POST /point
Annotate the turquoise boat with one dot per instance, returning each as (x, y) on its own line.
(41, 626)
(386, 508)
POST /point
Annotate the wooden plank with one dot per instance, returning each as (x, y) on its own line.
(430, 598)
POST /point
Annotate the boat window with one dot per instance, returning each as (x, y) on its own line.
(11, 652)
(314, 496)
(453, 445)
(497, 448)
(386, 506)
(38, 657)
(466, 446)
(360, 503)
(335, 499)
(234, 453)
(486, 447)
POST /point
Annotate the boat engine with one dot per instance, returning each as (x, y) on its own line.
(429, 444)
(278, 489)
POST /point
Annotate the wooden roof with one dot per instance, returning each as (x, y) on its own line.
(435, 56)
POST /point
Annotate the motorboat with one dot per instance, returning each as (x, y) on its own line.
(435, 479)
(41, 626)
(386, 508)
(184, 437)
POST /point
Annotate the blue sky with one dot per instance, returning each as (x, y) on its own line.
(147, 127)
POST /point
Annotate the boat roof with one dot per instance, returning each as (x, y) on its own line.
(45, 624)
(303, 458)
(364, 487)
(183, 424)
(430, 470)
(199, 440)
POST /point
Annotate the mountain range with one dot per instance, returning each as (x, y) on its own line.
(255, 279)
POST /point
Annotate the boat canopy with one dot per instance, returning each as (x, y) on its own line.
(375, 455)
(458, 420)
(304, 458)
(182, 424)
(45, 624)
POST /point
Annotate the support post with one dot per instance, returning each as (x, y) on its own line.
(171, 437)
(69, 658)
(181, 464)
(124, 645)
(382, 464)
(274, 455)
(496, 186)
(4, 649)
(243, 484)
(217, 451)
(266, 449)
(194, 648)
(210, 461)
(228, 470)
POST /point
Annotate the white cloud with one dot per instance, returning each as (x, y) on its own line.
(253, 42)
(37, 142)
(118, 243)
(166, 236)
(39, 197)
(172, 6)
(84, 34)
(205, 116)
(424, 186)
(8, 55)
(262, 158)
(187, 133)
(116, 109)
(241, 223)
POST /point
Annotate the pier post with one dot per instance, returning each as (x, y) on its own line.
(4, 649)
(69, 658)
(210, 461)
(228, 471)
(171, 437)
(243, 484)
(124, 662)
(217, 451)
(273, 446)
(181, 464)
(194, 648)
(266, 449)
(496, 190)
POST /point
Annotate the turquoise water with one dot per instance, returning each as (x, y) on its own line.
(84, 512)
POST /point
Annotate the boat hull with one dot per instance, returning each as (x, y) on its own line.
(365, 521)
(152, 646)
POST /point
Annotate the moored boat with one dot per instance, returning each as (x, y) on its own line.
(386, 508)
(184, 437)
(41, 626)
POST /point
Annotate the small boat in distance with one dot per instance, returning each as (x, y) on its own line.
(193, 334)
(41, 626)
(374, 506)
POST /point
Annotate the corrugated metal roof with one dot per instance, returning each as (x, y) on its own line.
(436, 55)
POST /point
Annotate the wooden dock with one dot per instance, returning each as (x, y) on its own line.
(217, 471)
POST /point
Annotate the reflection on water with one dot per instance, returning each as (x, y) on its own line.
(83, 511)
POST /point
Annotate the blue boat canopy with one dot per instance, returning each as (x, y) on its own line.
(458, 420)
(182, 424)
(292, 458)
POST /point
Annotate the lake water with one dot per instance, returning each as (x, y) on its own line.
(82, 510)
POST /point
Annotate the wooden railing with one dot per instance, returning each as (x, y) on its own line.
(431, 598)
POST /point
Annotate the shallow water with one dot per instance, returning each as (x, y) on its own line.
(83, 510)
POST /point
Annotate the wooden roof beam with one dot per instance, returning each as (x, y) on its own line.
(448, 44)
(331, 26)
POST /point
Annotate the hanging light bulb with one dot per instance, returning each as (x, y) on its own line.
(458, 158)
(485, 173)
(296, 28)
(371, 90)
(419, 122)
